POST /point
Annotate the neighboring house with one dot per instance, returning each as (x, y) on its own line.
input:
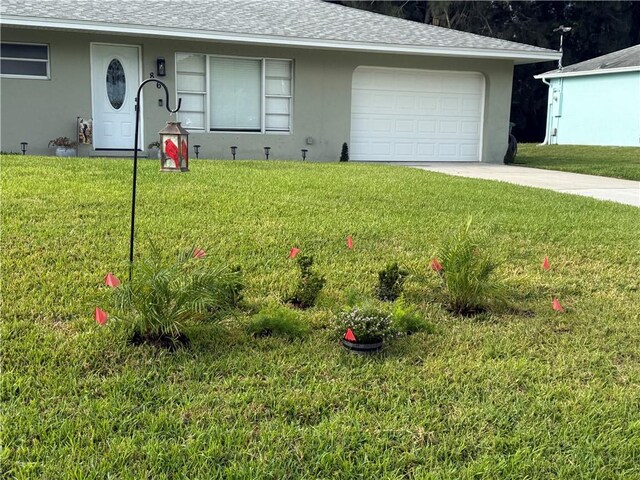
(288, 74)
(596, 102)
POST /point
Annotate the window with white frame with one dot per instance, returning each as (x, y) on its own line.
(192, 89)
(24, 60)
(234, 94)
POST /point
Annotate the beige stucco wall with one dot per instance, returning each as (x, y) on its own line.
(39, 110)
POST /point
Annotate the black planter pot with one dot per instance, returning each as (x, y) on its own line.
(362, 348)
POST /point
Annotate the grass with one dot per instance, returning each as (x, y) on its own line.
(541, 395)
(616, 162)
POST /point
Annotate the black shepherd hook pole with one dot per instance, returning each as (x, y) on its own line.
(135, 159)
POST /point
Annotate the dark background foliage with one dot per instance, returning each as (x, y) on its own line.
(598, 28)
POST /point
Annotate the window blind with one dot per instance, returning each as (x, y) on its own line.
(236, 91)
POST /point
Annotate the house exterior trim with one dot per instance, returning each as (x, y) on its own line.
(588, 72)
(515, 55)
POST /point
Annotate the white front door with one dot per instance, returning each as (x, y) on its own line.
(115, 76)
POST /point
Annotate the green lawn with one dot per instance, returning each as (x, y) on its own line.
(541, 395)
(617, 162)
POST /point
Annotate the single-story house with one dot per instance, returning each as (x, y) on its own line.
(596, 102)
(291, 75)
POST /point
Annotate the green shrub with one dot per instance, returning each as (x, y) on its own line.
(164, 296)
(277, 321)
(368, 324)
(468, 276)
(407, 320)
(344, 153)
(309, 285)
(391, 282)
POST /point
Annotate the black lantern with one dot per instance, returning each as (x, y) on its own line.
(23, 147)
(234, 149)
(196, 149)
(174, 148)
(161, 67)
(266, 152)
(304, 153)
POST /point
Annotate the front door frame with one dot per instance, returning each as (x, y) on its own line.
(135, 87)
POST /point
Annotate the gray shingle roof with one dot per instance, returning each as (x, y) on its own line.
(626, 58)
(312, 20)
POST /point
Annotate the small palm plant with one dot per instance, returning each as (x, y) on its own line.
(163, 297)
(467, 275)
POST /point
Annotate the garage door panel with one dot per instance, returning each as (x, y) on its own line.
(416, 115)
(428, 103)
(427, 126)
(404, 149)
(405, 126)
(469, 151)
(448, 126)
(382, 102)
(404, 103)
(470, 128)
(381, 80)
(373, 101)
(447, 150)
(472, 105)
(364, 124)
(380, 149)
(449, 106)
(464, 84)
(426, 150)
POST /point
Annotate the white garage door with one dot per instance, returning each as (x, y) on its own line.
(416, 115)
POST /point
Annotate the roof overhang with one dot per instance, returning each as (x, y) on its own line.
(517, 56)
(601, 71)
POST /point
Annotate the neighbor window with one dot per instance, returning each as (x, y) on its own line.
(25, 60)
(234, 94)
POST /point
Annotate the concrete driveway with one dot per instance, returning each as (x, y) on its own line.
(602, 188)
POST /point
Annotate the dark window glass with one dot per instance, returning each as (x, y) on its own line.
(16, 50)
(116, 83)
(19, 67)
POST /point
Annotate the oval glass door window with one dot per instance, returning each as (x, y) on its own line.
(116, 84)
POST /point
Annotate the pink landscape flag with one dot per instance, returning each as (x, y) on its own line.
(349, 336)
(111, 280)
(557, 306)
(293, 253)
(100, 316)
(545, 263)
(199, 253)
(435, 265)
(350, 242)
